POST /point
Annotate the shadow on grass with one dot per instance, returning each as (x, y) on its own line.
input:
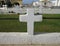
(37, 33)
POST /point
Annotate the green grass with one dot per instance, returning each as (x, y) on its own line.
(9, 16)
(16, 15)
(47, 25)
(52, 15)
(12, 26)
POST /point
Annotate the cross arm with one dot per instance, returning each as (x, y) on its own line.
(38, 18)
(23, 18)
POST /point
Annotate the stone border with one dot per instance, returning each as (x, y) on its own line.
(24, 38)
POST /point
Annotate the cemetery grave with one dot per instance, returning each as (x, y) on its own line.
(30, 18)
(21, 30)
(10, 23)
(30, 37)
(13, 25)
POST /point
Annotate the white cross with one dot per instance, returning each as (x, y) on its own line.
(30, 18)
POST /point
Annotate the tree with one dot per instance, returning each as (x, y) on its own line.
(8, 3)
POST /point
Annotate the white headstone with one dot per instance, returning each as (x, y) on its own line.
(40, 7)
(5, 7)
(30, 18)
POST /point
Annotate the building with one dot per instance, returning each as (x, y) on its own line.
(48, 3)
(41, 2)
(56, 2)
(53, 2)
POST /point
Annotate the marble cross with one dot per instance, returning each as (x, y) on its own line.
(30, 18)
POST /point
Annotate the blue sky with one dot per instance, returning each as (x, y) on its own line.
(28, 1)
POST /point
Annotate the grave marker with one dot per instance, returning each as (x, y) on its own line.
(30, 18)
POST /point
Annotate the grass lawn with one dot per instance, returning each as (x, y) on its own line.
(9, 16)
(52, 15)
(47, 25)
